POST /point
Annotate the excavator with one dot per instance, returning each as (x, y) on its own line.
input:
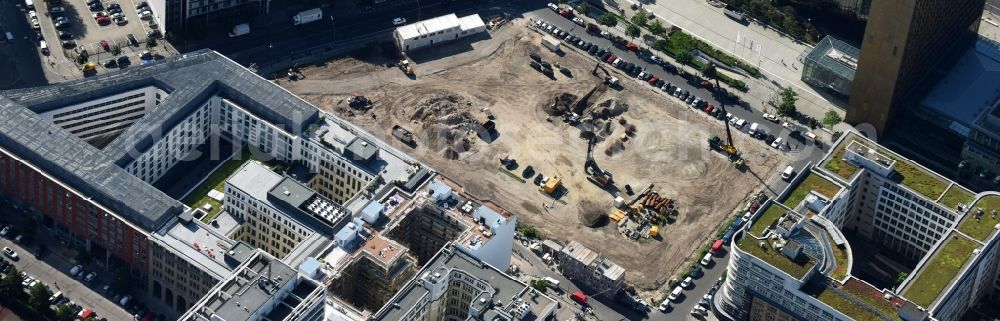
(595, 174)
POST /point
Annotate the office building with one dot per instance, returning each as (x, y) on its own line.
(457, 286)
(100, 185)
(262, 287)
(825, 248)
(590, 269)
(903, 41)
(961, 109)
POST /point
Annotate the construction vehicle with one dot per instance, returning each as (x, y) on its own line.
(89, 67)
(595, 174)
(608, 79)
(405, 66)
(403, 135)
(716, 143)
(552, 185)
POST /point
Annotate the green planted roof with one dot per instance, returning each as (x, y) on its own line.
(797, 269)
(940, 270)
(980, 229)
(812, 182)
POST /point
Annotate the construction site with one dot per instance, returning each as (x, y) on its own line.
(579, 152)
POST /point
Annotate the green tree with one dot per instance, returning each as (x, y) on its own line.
(539, 285)
(82, 57)
(632, 31)
(709, 71)
(685, 57)
(150, 42)
(116, 50)
(831, 118)
(661, 44)
(900, 277)
(656, 27)
(640, 18)
(10, 285)
(583, 8)
(608, 19)
(529, 232)
(64, 313)
(787, 105)
(38, 297)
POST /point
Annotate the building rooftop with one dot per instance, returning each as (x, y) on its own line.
(287, 195)
(506, 290)
(190, 79)
(968, 90)
(428, 26)
(383, 250)
(982, 218)
(811, 183)
(836, 55)
(594, 260)
(262, 287)
(904, 171)
(860, 301)
(199, 244)
(939, 269)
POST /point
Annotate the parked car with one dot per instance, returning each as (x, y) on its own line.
(771, 117)
(778, 143)
(396, 21)
(121, 21)
(553, 6)
(10, 253)
(111, 63)
(102, 20)
(105, 45)
(68, 44)
(57, 9)
(90, 277)
(75, 270)
(686, 283)
(131, 40)
(123, 61)
(95, 6)
(65, 35)
(578, 21)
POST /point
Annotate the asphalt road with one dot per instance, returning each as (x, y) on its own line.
(273, 36)
(20, 60)
(52, 270)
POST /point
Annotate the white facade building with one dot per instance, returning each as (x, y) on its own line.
(437, 30)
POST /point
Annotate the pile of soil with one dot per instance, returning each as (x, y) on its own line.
(561, 104)
(447, 119)
(610, 108)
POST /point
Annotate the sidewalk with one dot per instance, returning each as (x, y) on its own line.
(774, 55)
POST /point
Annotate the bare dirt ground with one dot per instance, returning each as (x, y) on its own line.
(451, 93)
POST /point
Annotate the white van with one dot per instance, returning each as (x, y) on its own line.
(552, 282)
(675, 294)
(28, 4)
(788, 173)
(753, 129)
(55, 297)
(705, 261)
(740, 123)
(10, 36)
(44, 47)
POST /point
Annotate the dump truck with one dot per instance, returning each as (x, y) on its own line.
(579, 297)
(239, 30)
(402, 134)
(551, 43)
(307, 16)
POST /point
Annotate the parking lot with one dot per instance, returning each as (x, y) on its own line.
(70, 27)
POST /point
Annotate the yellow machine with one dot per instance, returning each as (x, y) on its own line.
(89, 67)
(552, 185)
(405, 66)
